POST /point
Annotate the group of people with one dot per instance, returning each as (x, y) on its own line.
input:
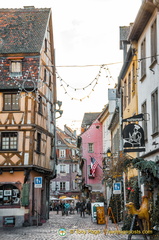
(66, 207)
(82, 207)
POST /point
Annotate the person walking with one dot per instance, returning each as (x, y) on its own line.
(57, 207)
(78, 206)
(89, 207)
(82, 209)
(67, 208)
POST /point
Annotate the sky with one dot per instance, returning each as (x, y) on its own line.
(87, 52)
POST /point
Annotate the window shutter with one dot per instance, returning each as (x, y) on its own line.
(53, 186)
(58, 185)
(58, 169)
(79, 171)
(73, 184)
(25, 194)
(73, 168)
(67, 186)
(67, 168)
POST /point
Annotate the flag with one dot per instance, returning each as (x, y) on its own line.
(94, 164)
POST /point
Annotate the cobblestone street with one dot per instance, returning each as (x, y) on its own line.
(76, 228)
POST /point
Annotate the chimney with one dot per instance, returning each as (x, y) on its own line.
(28, 7)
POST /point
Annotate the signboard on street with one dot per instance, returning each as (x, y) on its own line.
(38, 182)
(117, 188)
(94, 210)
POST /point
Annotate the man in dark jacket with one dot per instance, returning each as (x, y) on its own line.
(89, 207)
(82, 208)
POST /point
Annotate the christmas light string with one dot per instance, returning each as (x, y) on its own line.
(65, 85)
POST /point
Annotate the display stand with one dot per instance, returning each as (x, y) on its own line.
(109, 214)
(136, 219)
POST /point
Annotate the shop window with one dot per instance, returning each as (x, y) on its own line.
(9, 195)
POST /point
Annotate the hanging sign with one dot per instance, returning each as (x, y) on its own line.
(133, 138)
(135, 118)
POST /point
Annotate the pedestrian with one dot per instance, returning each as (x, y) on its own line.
(67, 208)
(89, 207)
(78, 206)
(63, 208)
(57, 207)
(72, 207)
(82, 209)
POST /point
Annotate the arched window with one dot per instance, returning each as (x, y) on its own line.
(9, 195)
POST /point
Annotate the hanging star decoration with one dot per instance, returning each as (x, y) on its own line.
(29, 85)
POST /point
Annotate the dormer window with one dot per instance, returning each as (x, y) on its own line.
(16, 68)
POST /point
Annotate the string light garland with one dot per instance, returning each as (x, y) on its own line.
(66, 85)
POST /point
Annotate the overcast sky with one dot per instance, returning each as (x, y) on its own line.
(86, 32)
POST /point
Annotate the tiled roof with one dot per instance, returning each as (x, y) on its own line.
(22, 30)
(89, 118)
(61, 135)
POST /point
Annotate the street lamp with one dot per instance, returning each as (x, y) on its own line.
(109, 154)
(59, 103)
(78, 179)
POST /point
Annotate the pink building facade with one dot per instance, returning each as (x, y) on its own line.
(92, 148)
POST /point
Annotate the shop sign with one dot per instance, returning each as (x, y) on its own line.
(133, 138)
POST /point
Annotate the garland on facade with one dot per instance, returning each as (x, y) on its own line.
(148, 169)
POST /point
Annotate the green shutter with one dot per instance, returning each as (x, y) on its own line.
(25, 194)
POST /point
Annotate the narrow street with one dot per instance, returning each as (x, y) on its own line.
(73, 228)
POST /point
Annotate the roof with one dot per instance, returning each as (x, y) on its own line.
(144, 14)
(22, 30)
(65, 138)
(89, 118)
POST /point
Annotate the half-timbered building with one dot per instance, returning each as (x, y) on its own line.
(27, 102)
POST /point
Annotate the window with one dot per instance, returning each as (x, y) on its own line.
(62, 186)
(73, 152)
(9, 195)
(144, 123)
(143, 58)
(16, 68)
(62, 153)
(45, 75)
(154, 106)
(9, 140)
(49, 80)
(90, 147)
(129, 88)
(40, 105)
(153, 42)
(75, 167)
(62, 169)
(133, 79)
(38, 148)
(125, 95)
(45, 45)
(10, 102)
